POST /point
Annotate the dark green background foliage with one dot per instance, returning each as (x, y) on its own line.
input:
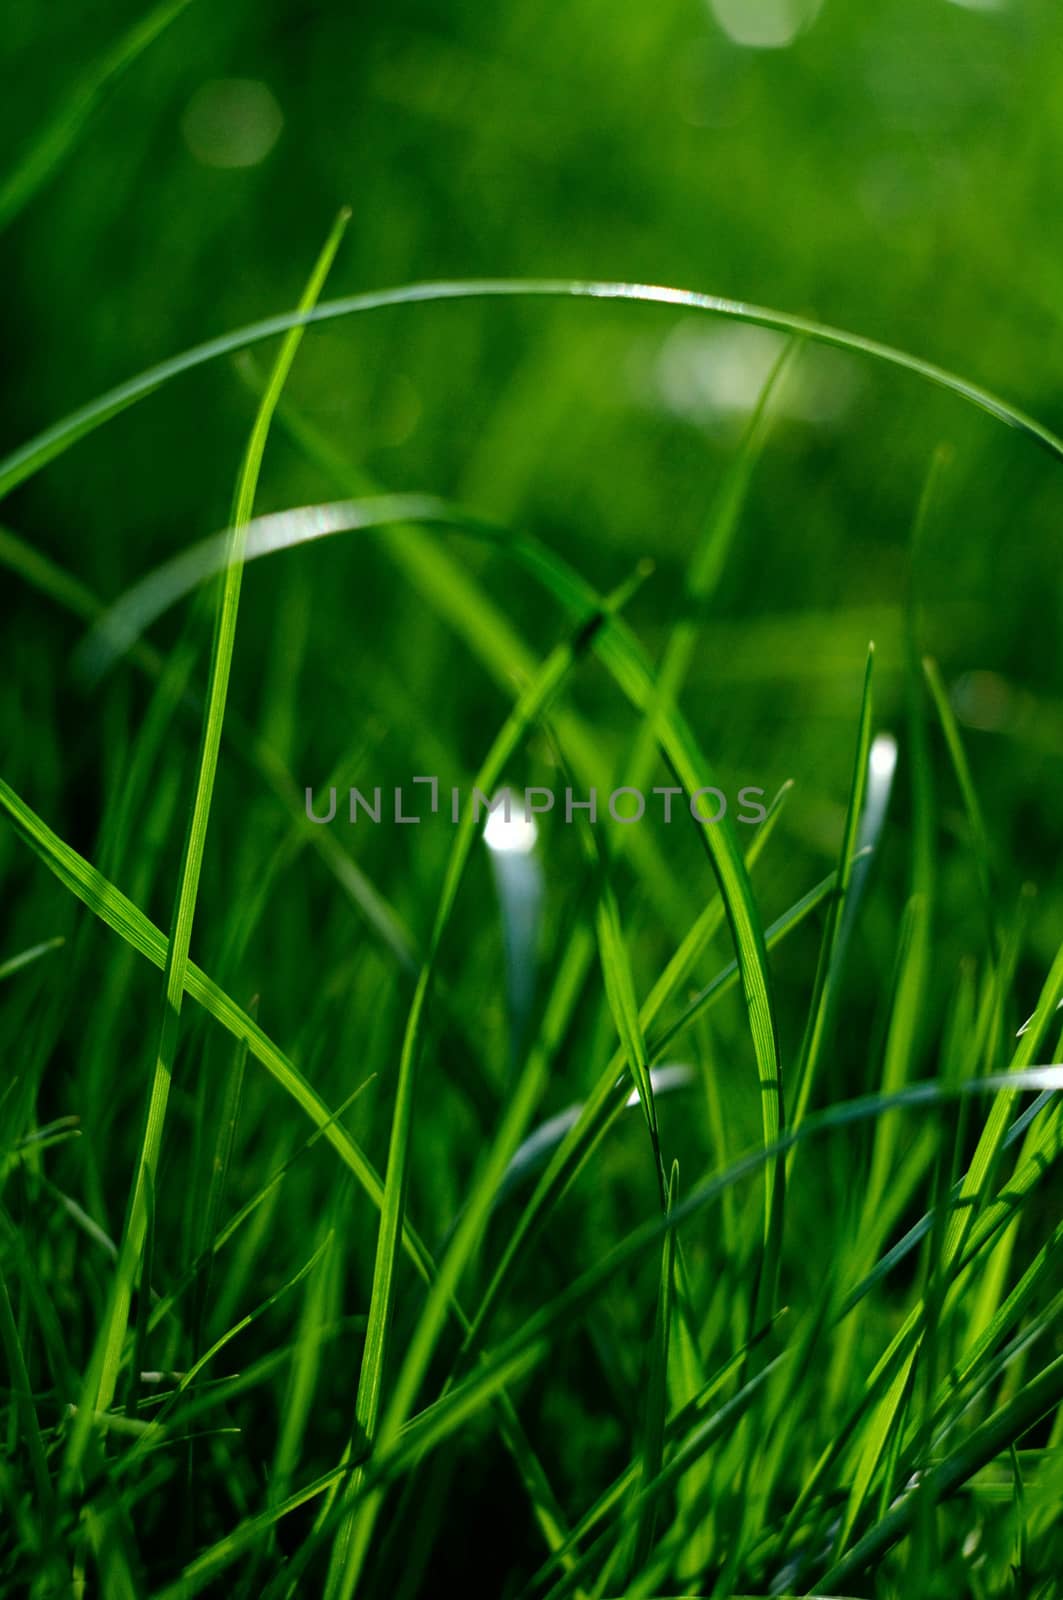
(894, 171)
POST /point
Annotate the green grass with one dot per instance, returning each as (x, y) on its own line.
(668, 1210)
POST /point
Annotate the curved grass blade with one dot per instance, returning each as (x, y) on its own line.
(629, 666)
(436, 1423)
(533, 1341)
(31, 457)
(124, 622)
(541, 1143)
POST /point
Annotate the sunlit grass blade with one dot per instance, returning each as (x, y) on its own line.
(971, 1193)
(35, 454)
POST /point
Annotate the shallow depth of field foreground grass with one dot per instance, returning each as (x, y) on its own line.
(591, 1203)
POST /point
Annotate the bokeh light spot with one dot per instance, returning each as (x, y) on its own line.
(764, 24)
(232, 122)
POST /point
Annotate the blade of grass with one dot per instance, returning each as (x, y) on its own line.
(352, 1540)
(27, 1411)
(657, 1389)
(31, 457)
(609, 1094)
(998, 1433)
(961, 767)
(707, 562)
(221, 1161)
(103, 1368)
(113, 908)
(533, 1341)
(531, 1344)
(26, 958)
(629, 666)
(824, 990)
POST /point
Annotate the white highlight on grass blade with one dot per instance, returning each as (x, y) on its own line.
(231, 122)
(980, 5)
(520, 887)
(881, 766)
(765, 24)
(664, 1079)
(32, 456)
(134, 612)
(1042, 1078)
(1026, 1025)
(515, 835)
(883, 758)
(26, 957)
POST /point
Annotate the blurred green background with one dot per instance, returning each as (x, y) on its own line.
(888, 168)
